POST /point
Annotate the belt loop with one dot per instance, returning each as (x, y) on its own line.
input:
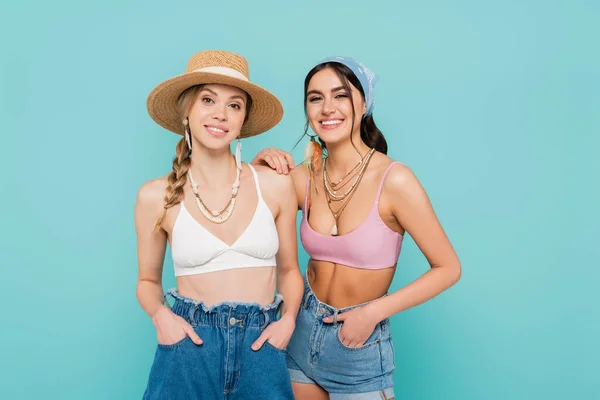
(165, 302)
(192, 315)
(335, 314)
(266, 323)
(306, 296)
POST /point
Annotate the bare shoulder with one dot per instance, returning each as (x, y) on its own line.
(401, 180)
(300, 175)
(272, 183)
(151, 194)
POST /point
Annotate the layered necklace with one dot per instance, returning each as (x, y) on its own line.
(336, 194)
(216, 217)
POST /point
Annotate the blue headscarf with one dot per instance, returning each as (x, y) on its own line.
(366, 77)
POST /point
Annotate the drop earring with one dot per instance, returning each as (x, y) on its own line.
(313, 156)
(238, 154)
(187, 134)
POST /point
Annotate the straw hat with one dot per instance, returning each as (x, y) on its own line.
(217, 67)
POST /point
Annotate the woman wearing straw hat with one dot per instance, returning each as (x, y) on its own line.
(232, 233)
(357, 203)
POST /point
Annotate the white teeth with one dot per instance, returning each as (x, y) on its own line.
(332, 122)
(212, 128)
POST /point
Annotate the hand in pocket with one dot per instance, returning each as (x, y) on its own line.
(171, 328)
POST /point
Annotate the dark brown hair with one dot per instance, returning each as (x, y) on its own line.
(369, 132)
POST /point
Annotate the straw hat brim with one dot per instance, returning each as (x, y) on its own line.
(265, 113)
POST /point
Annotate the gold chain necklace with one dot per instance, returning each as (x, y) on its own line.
(332, 197)
(336, 183)
(343, 182)
(332, 192)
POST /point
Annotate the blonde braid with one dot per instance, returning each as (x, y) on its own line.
(182, 160)
(176, 179)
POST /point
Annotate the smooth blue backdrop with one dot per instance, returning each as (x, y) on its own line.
(494, 105)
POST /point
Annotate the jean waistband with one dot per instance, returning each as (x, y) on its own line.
(226, 313)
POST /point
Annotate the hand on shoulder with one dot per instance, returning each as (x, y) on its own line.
(270, 180)
(276, 188)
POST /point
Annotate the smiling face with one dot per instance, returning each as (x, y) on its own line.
(217, 114)
(330, 110)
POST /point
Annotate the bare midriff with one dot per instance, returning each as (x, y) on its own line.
(341, 286)
(247, 285)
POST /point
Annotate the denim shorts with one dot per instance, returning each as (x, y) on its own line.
(224, 366)
(316, 354)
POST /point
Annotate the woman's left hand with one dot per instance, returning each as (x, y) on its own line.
(278, 334)
(358, 326)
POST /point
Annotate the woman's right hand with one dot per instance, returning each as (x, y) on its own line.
(279, 160)
(171, 328)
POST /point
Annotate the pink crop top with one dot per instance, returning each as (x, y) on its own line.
(372, 245)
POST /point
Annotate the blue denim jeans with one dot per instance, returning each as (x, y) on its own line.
(224, 366)
(316, 354)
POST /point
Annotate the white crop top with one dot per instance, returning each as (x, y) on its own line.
(197, 251)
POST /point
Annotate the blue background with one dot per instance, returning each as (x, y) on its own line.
(494, 105)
